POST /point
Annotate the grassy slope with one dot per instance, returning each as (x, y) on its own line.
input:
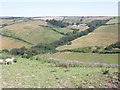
(102, 36)
(32, 32)
(64, 30)
(84, 57)
(114, 20)
(35, 74)
(6, 21)
(8, 43)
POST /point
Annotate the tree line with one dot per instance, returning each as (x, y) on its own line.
(58, 23)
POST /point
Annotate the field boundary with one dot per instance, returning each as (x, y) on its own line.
(16, 38)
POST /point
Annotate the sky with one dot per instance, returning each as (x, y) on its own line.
(32, 8)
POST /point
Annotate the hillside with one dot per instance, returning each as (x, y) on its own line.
(9, 43)
(102, 36)
(32, 32)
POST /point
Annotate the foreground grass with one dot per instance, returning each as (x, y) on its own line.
(28, 73)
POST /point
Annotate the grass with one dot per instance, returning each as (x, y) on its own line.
(84, 57)
(6, 21)
(8, 43)
(64, 30)
(102, 36)
(28, 73)
(32, 32)
(114, 20)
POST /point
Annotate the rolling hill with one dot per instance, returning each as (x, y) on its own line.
(32, 32)
(9, 43)
(102, 36)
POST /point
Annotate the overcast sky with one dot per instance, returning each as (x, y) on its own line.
(59, 8)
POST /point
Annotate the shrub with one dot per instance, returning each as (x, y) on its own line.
(105, 71)
(5, 50)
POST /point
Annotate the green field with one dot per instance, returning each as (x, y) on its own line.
(31, 31)
(84, 57)
(64, 30)
(27, 73)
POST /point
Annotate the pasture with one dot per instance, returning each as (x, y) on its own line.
(31, 73)
(83, 57)
(64, 30)
(32, 32)
(102, 36)
(9, 43)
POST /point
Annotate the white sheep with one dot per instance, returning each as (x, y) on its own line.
(9, 60)
(1, 61)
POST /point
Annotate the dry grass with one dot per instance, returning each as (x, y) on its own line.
(32, 32)
(115, 20)
(48, 18)
(102, 36)
(8, 43)
(24, 27)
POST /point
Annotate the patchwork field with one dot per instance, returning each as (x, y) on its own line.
(32, 32)
(102, 36)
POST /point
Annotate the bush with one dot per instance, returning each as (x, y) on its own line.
(5, 50)
(66, 63)
(105, 71)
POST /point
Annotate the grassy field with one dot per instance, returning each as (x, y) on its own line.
(27, 73)
(32, 32)
(8, 43)
(84, 57)
(64, 30)
(6, 21)
(102, 36)
(114, 20)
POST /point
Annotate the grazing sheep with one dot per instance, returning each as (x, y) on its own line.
(9, 60)
(1, 61)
